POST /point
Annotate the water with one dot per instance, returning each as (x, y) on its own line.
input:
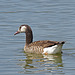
(49, 20)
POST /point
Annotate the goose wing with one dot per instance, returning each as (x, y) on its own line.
(45, 43)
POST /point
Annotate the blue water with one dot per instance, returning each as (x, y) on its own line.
(49, 20)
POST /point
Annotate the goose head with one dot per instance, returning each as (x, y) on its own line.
(23, 29)
(26, 29)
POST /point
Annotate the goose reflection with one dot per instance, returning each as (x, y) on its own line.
(40, 63)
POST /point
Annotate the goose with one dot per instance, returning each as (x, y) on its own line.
(39, 47)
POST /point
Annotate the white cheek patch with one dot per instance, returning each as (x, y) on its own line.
(23, 29)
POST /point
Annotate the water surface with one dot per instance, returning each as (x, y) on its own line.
(49, 20)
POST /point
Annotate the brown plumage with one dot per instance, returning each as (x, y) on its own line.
(37, 46)
(45, 43)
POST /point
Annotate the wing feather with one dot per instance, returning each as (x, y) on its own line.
(44, 43)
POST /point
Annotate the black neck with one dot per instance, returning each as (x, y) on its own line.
(29, 37)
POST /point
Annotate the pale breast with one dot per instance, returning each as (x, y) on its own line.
(34, 49)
